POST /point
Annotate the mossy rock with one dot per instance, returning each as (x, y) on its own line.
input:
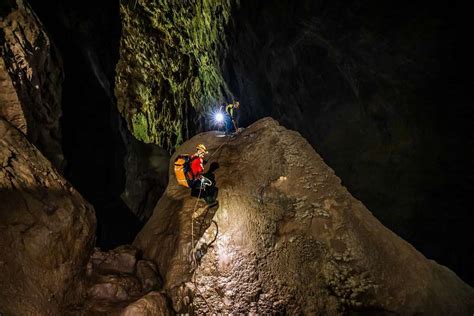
(169, 74)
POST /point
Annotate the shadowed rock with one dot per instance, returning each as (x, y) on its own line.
(115, 288)
(153, 303)
(120, 260)
(46, 231)
(290, 239)
(148, 275)
(31, 76)
(146, 170)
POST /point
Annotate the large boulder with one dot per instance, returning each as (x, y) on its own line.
(376, 87)
(46, 231)
(287, 237)
(31, 77)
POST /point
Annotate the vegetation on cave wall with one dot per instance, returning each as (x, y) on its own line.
(168, 73)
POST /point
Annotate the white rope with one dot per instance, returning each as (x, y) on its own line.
(194, 262)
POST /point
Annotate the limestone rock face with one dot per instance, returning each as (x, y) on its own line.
(169, 66)
(46, 231)
(151, 304)
(368, 84)
(287, 237)
(31, 76)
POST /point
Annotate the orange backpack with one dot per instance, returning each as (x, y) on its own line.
(182, 170)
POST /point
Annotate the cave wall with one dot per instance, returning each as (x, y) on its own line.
(31, 76)
(168, 72)
(87, 35)
(375, 87)
(146, 173)
(46, 231)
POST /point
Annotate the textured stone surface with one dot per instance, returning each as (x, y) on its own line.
(30, 76)
(46, 231)
(120, 260)
(376, 88)
(115, 279)
(10, 105)
(148, 275)
(288, 238)
(151, 304)
(115, 288)
(169, 66)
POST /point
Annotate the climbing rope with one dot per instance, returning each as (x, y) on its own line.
(194, 261)
(199, 196)
(218, 148)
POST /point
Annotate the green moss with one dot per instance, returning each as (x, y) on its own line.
(168, 74)
(140, 127)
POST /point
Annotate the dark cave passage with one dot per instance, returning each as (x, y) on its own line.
(95, 155)
(87, 36)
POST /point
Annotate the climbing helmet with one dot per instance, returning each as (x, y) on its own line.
(201, 147)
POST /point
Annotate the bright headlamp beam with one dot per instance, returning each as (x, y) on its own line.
(219, 117)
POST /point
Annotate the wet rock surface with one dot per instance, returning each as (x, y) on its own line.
(287, 237)
(31, 78)
(46, 231)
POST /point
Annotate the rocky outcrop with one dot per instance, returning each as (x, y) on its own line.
(376, 88)
(30, 76)
(146, 173)
(120, 282)
(287, 237)
(46, 231)
(169, 66)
